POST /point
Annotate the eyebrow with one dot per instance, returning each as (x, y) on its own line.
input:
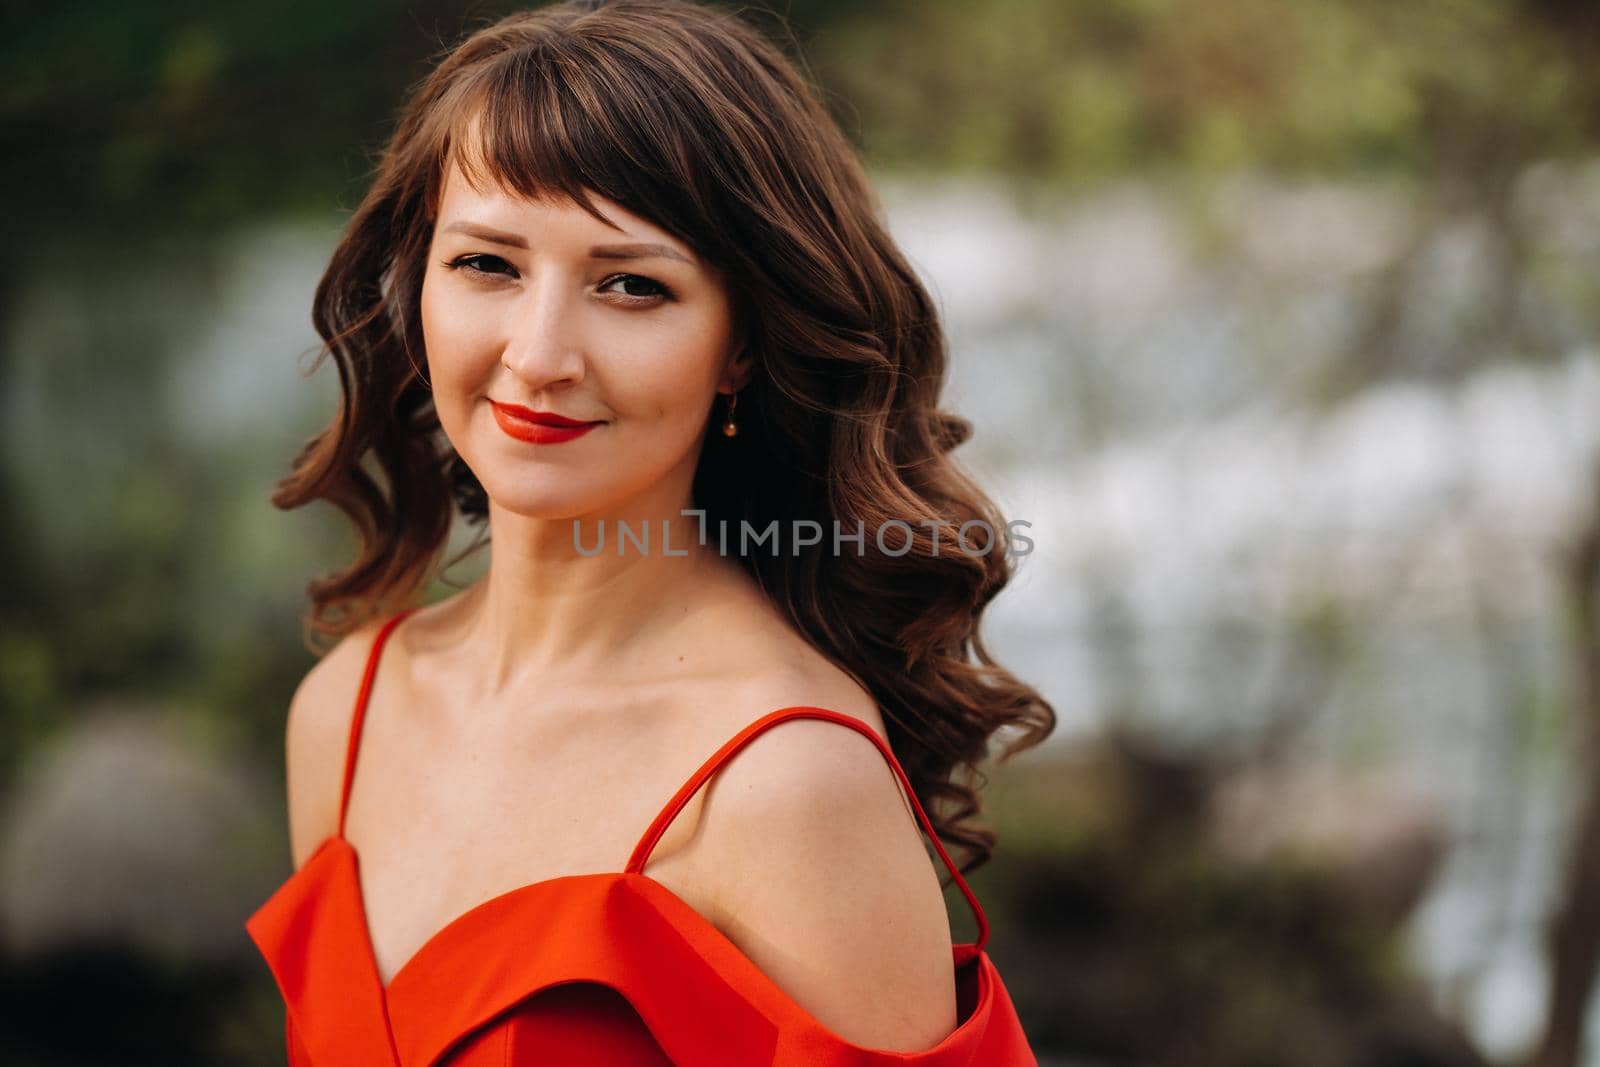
(643, 250)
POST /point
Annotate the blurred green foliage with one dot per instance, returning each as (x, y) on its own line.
(134, 116)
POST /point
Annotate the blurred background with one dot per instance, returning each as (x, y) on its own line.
(1279, 320)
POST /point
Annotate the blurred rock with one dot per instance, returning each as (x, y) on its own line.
(122, 831)
(1380, 838)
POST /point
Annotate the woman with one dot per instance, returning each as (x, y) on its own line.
(651, 790)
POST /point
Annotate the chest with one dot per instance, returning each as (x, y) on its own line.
(449, 815)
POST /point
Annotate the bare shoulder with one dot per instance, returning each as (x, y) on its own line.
(314, 743)
(818, 873)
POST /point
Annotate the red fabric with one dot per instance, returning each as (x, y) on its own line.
(612, 970)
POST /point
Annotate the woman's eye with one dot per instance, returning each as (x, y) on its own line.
(470, 264)
(490, 266)
(653, 288)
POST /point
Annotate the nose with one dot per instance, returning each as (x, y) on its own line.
(543, 344)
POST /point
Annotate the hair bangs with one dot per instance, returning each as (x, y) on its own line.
(532, 126)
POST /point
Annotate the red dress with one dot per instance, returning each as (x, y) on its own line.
(593, 969)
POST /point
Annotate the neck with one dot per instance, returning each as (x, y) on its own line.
(557, 601)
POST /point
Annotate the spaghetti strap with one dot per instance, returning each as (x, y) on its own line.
(641, 851)
(361, 709)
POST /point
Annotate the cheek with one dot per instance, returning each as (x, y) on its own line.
(433, 341)
(450, 348)
(452, 339)
(665, 384)
(671, 376)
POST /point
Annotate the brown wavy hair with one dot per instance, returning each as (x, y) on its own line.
(689, 117)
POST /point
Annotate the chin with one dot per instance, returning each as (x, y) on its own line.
(534, 502)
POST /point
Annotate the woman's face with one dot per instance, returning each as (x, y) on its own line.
(543, 307)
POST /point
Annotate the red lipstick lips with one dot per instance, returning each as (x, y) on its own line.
(538, 427)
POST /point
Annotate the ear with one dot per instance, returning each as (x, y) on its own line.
(741, 364)
(738, 371)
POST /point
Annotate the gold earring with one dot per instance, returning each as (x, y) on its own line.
(728, 427)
